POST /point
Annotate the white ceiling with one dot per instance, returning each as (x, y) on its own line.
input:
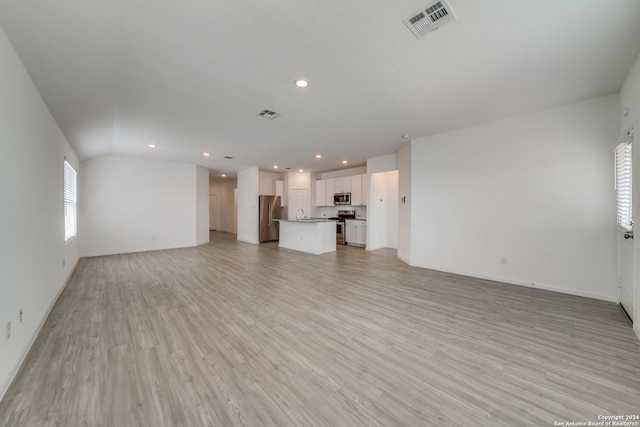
(192, 75)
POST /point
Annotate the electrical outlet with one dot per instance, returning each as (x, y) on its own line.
(20, 313)
(8, 334)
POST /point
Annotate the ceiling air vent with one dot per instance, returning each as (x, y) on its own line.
(430, 18)
(228, 157)
(268, 114)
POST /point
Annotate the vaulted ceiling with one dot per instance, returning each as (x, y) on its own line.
(191, 76)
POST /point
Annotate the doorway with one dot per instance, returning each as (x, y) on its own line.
(382, 216)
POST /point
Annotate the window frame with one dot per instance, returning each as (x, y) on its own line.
(623, 165)
(70, 201)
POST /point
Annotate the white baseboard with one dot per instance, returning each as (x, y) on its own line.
(538, 285)
(131, 251)
(16, 366)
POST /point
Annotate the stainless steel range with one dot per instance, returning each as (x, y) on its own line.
(343, 215)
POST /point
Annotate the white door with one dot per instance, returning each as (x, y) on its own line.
(214, 212)
(299, 203)
(624, 210)
(625, 272)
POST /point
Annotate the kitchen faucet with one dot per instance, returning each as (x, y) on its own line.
(299, 212)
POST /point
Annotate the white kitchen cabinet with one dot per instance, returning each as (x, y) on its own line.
(315, 237)
(356, 232)
(342, 184)
(350, 232)
(337, 185)
(346, 184)
(356, 190)
(361, 233)
(321, 192)
(331, 189)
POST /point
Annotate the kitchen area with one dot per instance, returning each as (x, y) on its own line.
(344, 199)
(307, 204)
(316, 212)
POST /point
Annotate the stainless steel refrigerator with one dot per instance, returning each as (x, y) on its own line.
(269, 211)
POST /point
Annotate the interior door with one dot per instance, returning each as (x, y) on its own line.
(625, 272)
(624, 208)
(299, 202)
(214, 212)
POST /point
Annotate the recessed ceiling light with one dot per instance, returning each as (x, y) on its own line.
(206, 154)
(151, 145)
(301, 83)
(344, 162)
(318, 156)
(224, 175)
(275, 166)
(301, 170)
(405, 136)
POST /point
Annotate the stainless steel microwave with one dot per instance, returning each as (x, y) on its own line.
(342, 199)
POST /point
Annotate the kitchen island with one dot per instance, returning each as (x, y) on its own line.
(315, 236)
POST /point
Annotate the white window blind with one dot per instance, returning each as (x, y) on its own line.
(624, 193)
(70, 202)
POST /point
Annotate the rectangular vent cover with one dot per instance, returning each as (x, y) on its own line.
(430, 18)
(268, 114)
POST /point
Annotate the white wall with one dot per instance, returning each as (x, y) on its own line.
(202, 205)
(247, 205)
(267, 182)
(630, 103)
(32, 249)
(382, 163)
(536, 189)
(299, 180)
(225, 191)
(131, 204)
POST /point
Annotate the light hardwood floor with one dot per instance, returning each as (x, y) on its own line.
(233, 334)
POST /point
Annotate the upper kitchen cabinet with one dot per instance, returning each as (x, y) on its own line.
(342, 184)
(355, 184)
(356, 190)
(346, 184)
(331, 189)
(359, 190)
(321, 192)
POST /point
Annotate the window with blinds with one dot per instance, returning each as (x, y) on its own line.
(70, 202)
(624, 193)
